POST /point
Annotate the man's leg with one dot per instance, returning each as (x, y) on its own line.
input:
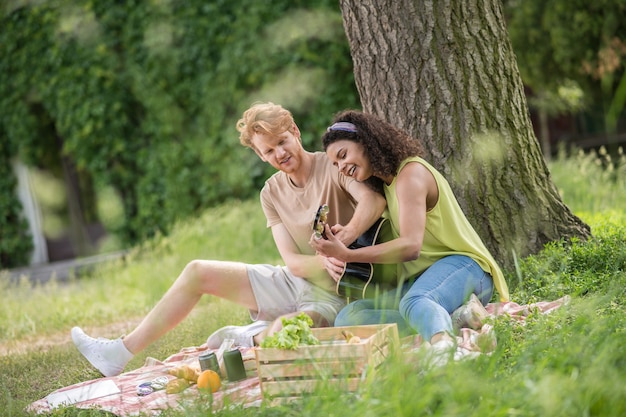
(279, 294)
(227, 280)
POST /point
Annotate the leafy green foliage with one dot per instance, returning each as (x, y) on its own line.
(296, 332)
(143, 96)
(588, 183)
(559, 41)
(577, 268)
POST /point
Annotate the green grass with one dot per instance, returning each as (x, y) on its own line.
(567, 363)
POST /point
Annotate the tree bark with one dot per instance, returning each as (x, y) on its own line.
(445, 72)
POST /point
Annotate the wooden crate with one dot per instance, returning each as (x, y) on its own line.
(287, 374)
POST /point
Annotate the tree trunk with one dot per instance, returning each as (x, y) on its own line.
(544, 132)
(79, 235)
(445, 72)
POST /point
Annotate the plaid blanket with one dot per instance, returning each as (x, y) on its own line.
(118, 395)
(483, 341)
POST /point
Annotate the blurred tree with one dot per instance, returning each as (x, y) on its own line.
(572, 42)
(15, 239)
(446, 73)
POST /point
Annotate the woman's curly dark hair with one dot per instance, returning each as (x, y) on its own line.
(385, 145)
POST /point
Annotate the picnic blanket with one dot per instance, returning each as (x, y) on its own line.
(118, 395)
(483, 341)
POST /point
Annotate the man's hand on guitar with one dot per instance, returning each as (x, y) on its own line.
(334, 267)
(334, 244)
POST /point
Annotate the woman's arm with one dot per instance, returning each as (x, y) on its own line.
(416, 191)
(370, 206)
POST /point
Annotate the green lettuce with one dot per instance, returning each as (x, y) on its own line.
(296, 332)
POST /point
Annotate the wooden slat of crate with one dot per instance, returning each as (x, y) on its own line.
(314, 369)
(294, 388)
(321, 352)
(325, 334)
(285, 374)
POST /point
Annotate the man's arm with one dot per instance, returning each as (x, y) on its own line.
(309, 267)
(370, 206)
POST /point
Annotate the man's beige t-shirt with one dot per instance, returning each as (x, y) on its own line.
(296, 207)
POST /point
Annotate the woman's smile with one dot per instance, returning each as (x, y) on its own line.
(349, 158)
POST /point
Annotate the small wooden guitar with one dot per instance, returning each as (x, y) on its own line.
(360, 280)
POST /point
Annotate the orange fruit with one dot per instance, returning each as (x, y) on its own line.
(209, 380)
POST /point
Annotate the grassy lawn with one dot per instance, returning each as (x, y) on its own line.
(567, 363)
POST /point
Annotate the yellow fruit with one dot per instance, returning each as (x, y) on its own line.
(185, 371)
(354, 340)
(209, 380)
(177, 385)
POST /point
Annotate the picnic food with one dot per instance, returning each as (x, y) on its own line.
(176, 385)
(350, 337)
(185, 372)
(296, 332)
(209, 381)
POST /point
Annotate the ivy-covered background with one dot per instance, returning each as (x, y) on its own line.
(141, 97)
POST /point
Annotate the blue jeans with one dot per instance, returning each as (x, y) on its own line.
(424, 304)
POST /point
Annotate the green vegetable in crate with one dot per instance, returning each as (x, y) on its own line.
(296, 332)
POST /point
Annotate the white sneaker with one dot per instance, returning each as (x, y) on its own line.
(242, 335)
(106, 355)
(471, 314)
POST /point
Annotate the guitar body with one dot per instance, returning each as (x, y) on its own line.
(362, 280)
(357, 278)
(355, 281)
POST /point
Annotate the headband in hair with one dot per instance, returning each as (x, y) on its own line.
(343, 126)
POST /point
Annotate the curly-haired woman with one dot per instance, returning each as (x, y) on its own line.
(441, 259)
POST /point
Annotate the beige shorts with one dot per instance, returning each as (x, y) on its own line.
(278, 292)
